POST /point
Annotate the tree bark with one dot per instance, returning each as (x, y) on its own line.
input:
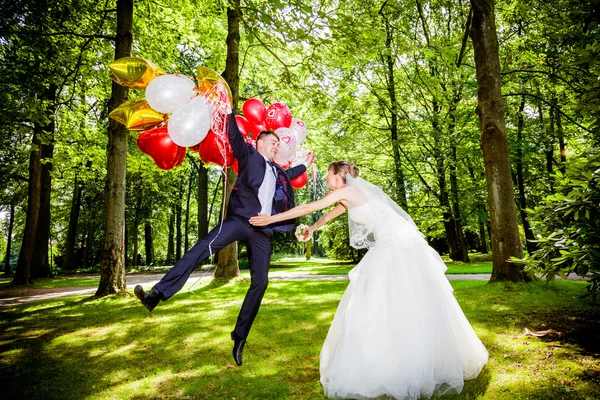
(463, 251)
(112, 278)
(494, 145)
(389, 58)
(11, 225)
(227, 266)
(149, 242)
(40, 265)
(178, 212)
(483, 248)
(561, 140)
(23, 269)
(171, 240)
(521, 180)
(135, 229)
(186, 245)
(202, 201)
(68, 262)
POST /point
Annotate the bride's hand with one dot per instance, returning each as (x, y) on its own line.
(260, 220)
(307, 232)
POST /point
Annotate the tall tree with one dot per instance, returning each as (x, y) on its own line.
(227, 266)
(112, 278)
(494, 145)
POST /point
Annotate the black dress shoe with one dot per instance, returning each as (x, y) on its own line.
(238, 348)
(150, 299)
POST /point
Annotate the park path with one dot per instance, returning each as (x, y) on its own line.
(19, 296)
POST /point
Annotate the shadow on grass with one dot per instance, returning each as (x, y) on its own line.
(113, 348)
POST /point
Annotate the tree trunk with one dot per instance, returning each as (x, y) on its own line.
(547, 135)
(483, 249)
(68, 263)
(149, 243)
(521, 180)
(494, 145)
(23, 269)
(561, 140)
(187, 212)
(178, 212)
(227, 266)
(11, 225)
(135, 230)
(202, 201)
(389, 58)
(171, 240)
(112, 278)
(40, 266)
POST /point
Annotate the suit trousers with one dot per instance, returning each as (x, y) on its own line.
(234, 228)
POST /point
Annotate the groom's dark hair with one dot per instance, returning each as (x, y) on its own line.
(266, 133)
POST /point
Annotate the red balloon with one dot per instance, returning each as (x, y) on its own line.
(255, 111)
(278, 116)
(255, 130)
(210, 150)
(158, 145)
(235, 166)
(243, 125)
(299, 181)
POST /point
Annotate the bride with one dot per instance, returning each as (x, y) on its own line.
(398, 329)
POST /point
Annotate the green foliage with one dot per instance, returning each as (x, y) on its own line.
(567, 225)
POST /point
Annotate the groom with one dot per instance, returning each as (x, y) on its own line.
(262, 187)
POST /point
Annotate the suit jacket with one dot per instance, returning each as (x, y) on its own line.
(251, 166)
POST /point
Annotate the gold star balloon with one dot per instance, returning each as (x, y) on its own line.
(213, 86)
(137, 115)
(134, 72)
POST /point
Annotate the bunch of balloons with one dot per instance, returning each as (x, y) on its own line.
(291, 131)
(177, 113)
(197, 113)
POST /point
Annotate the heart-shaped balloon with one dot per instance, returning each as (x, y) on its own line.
(278, 116)
(158, 145)
(216, 150)
(299, 181)
(243, 125)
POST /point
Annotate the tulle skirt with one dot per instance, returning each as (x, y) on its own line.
(398, 329)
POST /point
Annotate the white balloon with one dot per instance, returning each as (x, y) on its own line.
(167, 93)
(287, 146)
(300, 130)
(190, 124)
(300, 157)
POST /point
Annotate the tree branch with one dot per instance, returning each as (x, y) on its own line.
(549, 104)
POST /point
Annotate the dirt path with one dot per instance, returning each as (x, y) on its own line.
(9, 297)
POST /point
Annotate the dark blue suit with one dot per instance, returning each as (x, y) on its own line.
(243, 204)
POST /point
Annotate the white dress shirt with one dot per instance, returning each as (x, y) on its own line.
(266, 191)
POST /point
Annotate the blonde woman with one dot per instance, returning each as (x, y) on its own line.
(398, 330)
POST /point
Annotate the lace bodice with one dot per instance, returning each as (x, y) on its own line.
(376, 223)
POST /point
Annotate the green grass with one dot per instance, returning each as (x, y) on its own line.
(112, 348)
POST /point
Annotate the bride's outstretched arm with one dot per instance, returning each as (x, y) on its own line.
(334, 213)
(298, 211)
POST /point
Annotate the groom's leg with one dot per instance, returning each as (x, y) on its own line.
(259, 253)
(233, 229)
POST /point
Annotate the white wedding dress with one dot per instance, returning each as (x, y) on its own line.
(398, 330)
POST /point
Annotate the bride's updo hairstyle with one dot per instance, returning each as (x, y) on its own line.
(343, 168)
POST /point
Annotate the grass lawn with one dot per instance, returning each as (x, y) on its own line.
(323, 266)
(112, 348)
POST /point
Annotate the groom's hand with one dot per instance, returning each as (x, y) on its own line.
(260, 220)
